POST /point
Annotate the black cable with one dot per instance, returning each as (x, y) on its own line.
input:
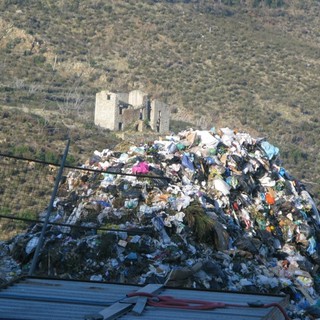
(133, 231)
(85, 169)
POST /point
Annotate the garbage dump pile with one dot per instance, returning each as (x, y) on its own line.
(217, 211)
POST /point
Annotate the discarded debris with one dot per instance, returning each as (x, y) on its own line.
(224, 215)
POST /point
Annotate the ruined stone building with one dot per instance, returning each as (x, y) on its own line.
(119, 111)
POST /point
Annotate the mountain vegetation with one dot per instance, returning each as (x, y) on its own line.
(250, 65)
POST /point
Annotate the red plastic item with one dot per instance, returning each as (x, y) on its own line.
(270, 199)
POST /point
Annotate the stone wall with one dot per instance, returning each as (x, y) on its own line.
(137, 98)
(160, 116)
(105, 110)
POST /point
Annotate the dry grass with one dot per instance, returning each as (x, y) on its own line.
(255, 69)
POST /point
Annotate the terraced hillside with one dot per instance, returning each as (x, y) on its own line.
(250, 65)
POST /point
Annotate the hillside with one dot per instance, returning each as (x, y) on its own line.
(250, 65)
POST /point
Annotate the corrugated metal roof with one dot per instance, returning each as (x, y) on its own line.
(36, 298)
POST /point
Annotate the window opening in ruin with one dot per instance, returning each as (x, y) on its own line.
(148, 110)
(108, 96)
(158, 122)
(120, 126)
(158, 125)
(120, 110)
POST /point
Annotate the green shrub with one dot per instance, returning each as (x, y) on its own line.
(39, 59)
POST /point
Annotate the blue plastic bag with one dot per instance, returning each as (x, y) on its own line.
(186, 162)
(269, 149)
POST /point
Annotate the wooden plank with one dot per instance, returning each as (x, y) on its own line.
(139, 306)
(118, 309)
(304, 292)
(115, 310)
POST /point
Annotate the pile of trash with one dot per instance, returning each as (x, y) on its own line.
(211, 209)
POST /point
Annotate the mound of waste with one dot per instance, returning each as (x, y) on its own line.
(210, 209)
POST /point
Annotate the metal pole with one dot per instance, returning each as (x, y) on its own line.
(53, 196)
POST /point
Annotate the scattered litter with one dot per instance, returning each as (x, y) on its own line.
(221, 213)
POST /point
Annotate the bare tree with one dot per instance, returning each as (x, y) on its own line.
(74, 101)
